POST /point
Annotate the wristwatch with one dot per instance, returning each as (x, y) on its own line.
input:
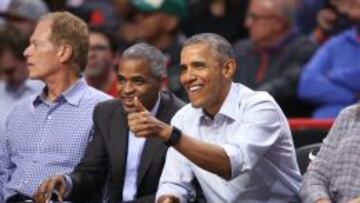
(174, 137)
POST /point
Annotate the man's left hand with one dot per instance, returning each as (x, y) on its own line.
(143, 124)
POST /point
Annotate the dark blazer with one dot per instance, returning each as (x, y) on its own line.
(105, 158)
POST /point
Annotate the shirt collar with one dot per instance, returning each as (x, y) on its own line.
(72, 95)
(155, 109)
(229, 106)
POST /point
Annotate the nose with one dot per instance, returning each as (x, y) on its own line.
(26, 52)
(188, 76)
(128, 88)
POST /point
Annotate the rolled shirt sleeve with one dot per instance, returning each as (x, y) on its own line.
(260, 129)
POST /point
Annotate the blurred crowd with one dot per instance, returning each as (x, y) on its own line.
(286, 49)
(304, 53)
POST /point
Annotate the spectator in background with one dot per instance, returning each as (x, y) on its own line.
(334, 175)
(157, 23)
(100, 70)
(24, 14)
(272, 58)
(331, 20)
(234, 141)
(132, 165)
(47, 133)
(306, 14)
(331, 79)
(224, 17)
(15, 84)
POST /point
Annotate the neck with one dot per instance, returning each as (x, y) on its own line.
(56, 85)
(214, 109)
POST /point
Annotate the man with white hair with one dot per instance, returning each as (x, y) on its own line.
(273, 56)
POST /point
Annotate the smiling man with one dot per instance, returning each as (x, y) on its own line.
(234, 141)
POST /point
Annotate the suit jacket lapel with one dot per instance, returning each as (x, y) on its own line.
(119, 141)
(151, 145)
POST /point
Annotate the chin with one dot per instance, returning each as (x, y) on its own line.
(195, 104)
(34, 77)
(129, 109)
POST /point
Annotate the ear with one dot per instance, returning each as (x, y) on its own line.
(169, 23)
(229, 68)
(65, 52)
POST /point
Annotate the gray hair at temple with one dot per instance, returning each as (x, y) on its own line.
(148, 53)
(221, 47)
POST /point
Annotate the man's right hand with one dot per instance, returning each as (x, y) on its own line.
(55, 184)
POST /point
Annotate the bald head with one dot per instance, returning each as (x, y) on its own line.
(285, 9)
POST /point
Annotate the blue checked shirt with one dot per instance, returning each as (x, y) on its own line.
(43, 138)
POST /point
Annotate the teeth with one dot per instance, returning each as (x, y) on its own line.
(194, 88)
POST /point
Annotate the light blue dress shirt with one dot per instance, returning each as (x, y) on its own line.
(44, 138)
(135, 148)
(255, 135)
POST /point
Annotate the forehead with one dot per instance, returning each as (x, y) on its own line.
(98, 38)
(42, 30)
(262, 6)
(200, 50)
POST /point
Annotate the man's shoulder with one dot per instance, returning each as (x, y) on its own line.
(301, 43)
(95, 95)
(245, 94)
(108, 105)
(351, 112)
(242, 45)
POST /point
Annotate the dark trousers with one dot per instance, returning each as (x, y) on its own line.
(19, 199)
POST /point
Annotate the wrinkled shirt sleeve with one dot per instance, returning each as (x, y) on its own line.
(177, 175)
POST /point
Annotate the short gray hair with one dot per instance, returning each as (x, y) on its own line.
(284, 8)
(221, 47)
(148, 53)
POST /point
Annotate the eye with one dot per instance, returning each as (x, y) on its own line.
(199, 65)
(121, 79)
(183, 69)
(139, 81)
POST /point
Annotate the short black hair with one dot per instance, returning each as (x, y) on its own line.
(13, 40)
(108, 36)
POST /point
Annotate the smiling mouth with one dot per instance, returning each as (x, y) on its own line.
(194, 88)
(128, 101)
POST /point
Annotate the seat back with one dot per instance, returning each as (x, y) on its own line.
(305, 154)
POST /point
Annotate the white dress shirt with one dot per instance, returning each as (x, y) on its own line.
(135, 148)
(255, 135)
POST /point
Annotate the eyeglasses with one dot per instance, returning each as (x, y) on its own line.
(255, 17)
(99, 48)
